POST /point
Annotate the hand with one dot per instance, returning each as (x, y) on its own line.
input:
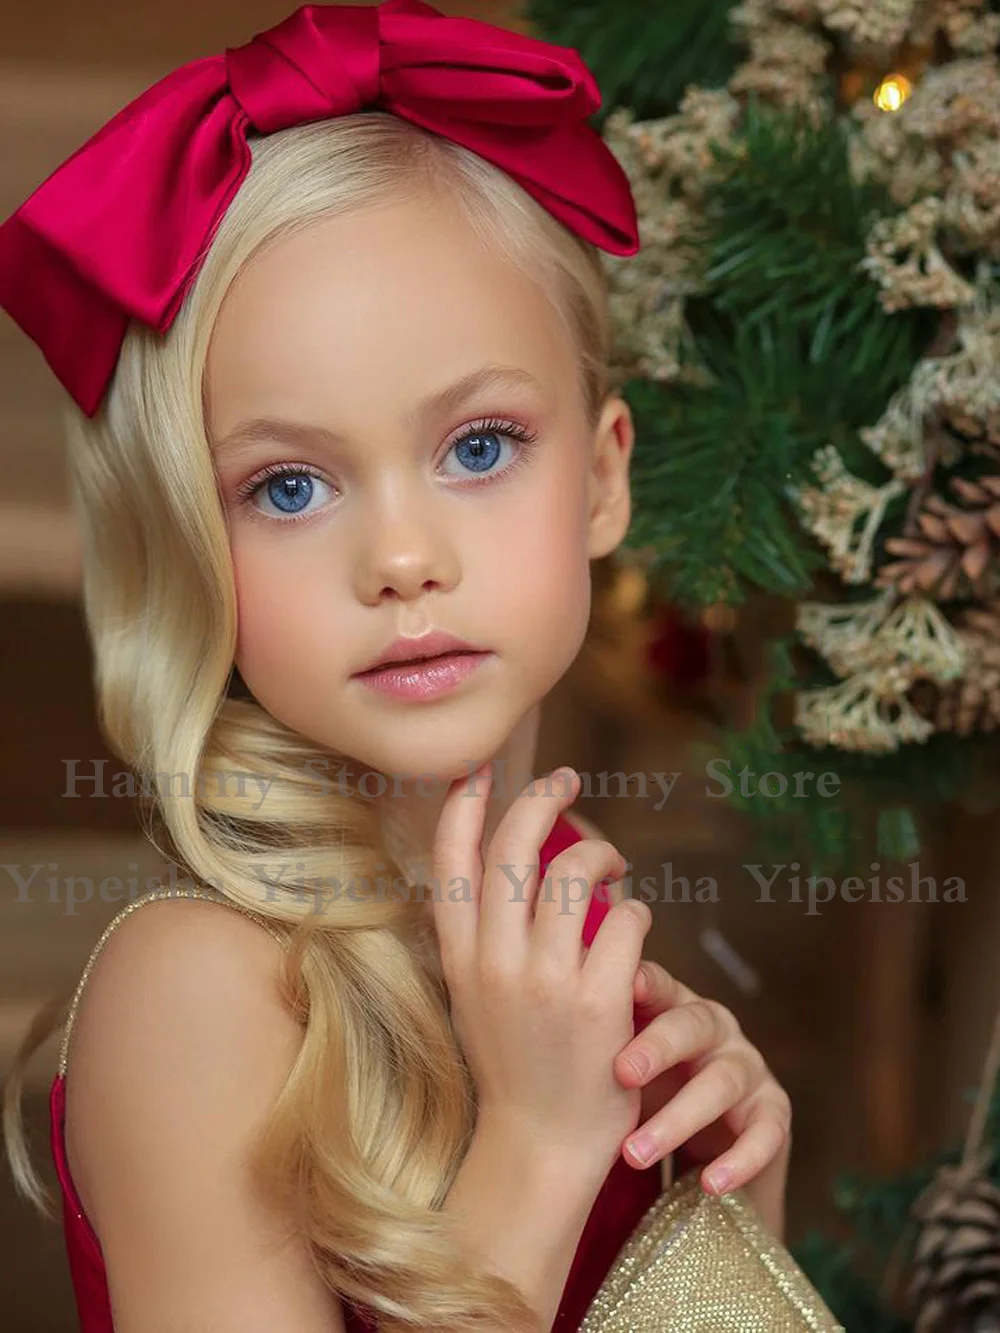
(539, 1017)
(710, 1090)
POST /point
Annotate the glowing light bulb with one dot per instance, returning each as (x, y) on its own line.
(629, 589)
(892, 92)
(719, 618)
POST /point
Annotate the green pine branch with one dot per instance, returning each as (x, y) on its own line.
(712, 467)
(800, 354)
(788, 230)
(643, 55)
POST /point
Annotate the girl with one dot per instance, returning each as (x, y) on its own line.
(331, 310)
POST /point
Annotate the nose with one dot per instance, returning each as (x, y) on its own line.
(406, 551)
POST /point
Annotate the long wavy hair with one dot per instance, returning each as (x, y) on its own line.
(379, 1108)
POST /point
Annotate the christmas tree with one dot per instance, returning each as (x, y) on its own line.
(809, 340)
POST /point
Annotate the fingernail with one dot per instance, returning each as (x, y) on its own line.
(642, 1147)
(640, 1062)
(720, 1179)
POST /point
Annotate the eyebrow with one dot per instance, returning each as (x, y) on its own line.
(448, 399)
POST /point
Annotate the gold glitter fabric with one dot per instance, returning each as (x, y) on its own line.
(697, 1263)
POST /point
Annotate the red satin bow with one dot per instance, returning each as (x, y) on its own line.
(119, 230)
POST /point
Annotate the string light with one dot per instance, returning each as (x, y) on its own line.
(719, 618)
(629, 589)
(892, 92)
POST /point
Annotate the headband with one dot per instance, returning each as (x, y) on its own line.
(119, 231)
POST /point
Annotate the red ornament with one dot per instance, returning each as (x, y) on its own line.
(678, 648)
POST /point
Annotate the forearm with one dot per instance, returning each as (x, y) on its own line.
(521, 1211)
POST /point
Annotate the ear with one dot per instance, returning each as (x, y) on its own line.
(610, 499)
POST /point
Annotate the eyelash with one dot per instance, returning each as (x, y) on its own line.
(246, 491)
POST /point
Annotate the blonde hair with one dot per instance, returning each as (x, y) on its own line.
(379, 1108)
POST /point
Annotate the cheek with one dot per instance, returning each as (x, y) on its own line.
(540, 584)
(279, 603)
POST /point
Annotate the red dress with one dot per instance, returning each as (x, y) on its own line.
(626, 1194)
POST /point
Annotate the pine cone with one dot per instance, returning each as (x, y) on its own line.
(973, 703)
(955, 1285)
(984, 619)
(981, 433)
(957, 550)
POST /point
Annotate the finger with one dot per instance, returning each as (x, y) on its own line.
(716, 1089)
(765, 1135)
(682, 1033)
(458, 867)
(617, 947)
(510, 878)
(563, 900)
(656, 988)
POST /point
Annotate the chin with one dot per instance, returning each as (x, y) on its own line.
(438, 742)
(449, 752)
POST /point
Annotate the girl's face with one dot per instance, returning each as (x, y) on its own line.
(401, 445)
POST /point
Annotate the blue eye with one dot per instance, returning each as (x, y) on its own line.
(290, 493)
(480, 447)
(478, 452)
(288, 489)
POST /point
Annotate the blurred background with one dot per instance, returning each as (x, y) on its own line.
(875, 1017)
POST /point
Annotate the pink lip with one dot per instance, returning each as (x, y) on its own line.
(409, 648)
(423, 680)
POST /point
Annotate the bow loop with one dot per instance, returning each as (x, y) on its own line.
(476, 72)
(321, 62)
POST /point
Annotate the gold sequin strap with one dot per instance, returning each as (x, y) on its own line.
(208, 895)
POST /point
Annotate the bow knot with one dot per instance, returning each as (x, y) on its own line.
(320, 62)
(118, 231)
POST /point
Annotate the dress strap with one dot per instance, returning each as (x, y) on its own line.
(207, 895)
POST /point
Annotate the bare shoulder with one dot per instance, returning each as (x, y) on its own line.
(179, 1050)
